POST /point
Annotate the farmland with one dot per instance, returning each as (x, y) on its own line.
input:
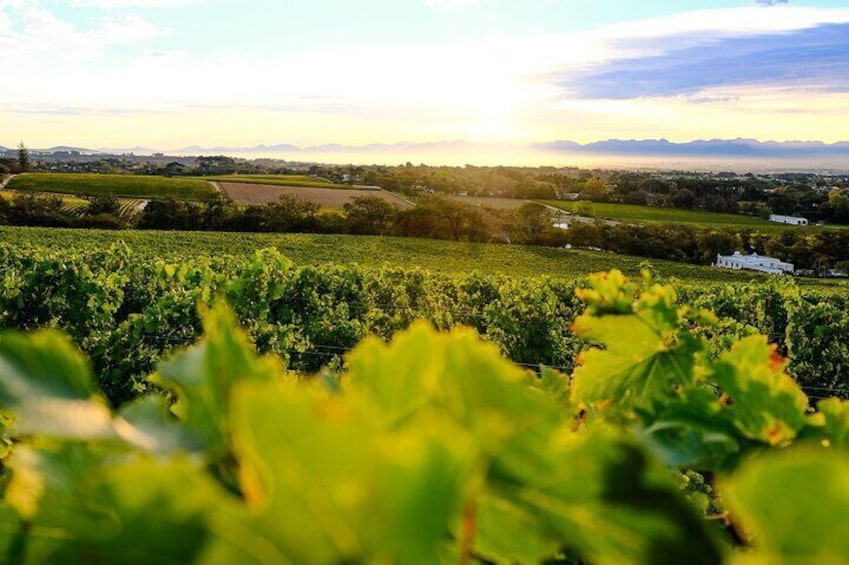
(368, 251)
(69, 203)
(651, 214)
(489, 202)
(249, 193)
(282, 180)
(130, 186)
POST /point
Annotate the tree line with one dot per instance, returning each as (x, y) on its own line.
(817, 198)
(439, 218)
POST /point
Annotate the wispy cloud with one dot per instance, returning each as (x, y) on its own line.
(814, 58)
(32, 36)
(450, 3)
(111, 4)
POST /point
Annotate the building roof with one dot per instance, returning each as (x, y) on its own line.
(783, 217)
(752, 259)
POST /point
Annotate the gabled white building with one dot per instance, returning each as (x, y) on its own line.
(790, 220)
(755, 262)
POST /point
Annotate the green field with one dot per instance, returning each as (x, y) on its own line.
(437, 256)
(651, 214)
(490, 202)
(132, 186)
(281, 180)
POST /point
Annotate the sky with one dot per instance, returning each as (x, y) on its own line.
(173, 73)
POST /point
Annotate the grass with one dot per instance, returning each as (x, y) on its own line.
(490, 202)
(280, 180)
(132, 186)
(652, 214)
(437, 256)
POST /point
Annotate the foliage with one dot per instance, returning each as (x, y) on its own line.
(372, 252)
(24, 162)
(368, 215)
(128, 308)
(431, 448)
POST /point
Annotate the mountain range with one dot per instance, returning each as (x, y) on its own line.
(739, 148)
(701, 148)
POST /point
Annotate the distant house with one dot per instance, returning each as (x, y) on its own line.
(568, 196)
(755, 262)
(790, 220)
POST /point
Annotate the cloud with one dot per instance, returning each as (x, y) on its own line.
(32, 37)
(110, 4)
(815, 59)
(717, 71)
(772, 2)
(450, 3)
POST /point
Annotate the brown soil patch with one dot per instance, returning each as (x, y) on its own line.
(244, 193)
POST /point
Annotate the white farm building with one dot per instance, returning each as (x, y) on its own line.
(755, 262)
(790, 220)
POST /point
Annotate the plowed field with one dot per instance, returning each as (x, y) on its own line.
(250, 193)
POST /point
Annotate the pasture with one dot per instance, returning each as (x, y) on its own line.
(128, 186)
(491, 202)
(251, 194)
(651, 214)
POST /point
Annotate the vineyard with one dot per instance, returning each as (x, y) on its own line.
(70, 204)
(320, 249)
(76, 205)
(667, 446)
(128, 310)
(128, 186)
(281, 180)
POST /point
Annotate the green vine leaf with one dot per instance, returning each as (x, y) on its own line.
(792, 505)
(768, 405)
(203, 378)
(47, 387)
(642, 359)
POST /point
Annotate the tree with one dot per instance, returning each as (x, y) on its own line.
(684, 198)
(23, 158)
(782, 201)
(638, 197)
(454, 215)
(103, 204)
(596, 190)
(369, 215)
(715, 203)
(416, 222)
(716, 242)
(584, 209)
(292, 214)
(838, 201)
(531, 223)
